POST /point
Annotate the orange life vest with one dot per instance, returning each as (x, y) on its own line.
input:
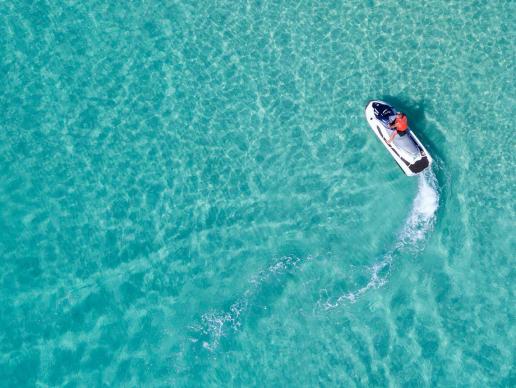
(401, 123)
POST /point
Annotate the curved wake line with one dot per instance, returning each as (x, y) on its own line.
(216, 323)
(420, 221)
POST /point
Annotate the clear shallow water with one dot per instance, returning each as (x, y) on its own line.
(190, 195)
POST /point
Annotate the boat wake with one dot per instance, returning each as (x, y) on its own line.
(216, 324)
(411, 238)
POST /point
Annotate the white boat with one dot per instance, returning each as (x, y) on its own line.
(407, 150)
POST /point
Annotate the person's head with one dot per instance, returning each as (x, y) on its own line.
(400, 114)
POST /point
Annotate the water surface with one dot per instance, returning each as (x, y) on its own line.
(190, 194)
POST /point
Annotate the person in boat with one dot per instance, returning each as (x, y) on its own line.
(400, 124)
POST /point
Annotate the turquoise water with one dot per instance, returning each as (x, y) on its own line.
(190, 194)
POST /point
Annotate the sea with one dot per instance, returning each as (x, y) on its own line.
(190, 195)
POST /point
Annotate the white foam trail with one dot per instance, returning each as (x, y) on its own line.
(214, 323)
(422, 215)
(420, 221)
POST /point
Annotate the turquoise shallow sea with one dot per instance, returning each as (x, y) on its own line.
(190, 194)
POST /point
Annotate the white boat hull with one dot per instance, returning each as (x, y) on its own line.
(407, 151)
